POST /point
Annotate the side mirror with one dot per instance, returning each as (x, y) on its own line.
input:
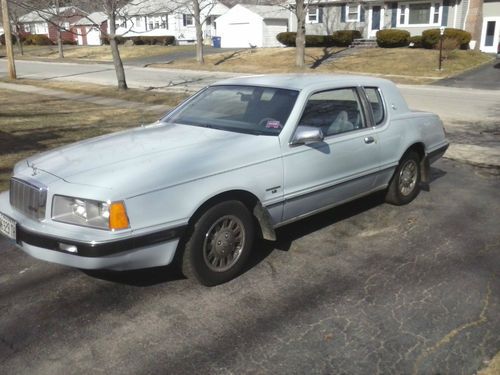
(305, 135)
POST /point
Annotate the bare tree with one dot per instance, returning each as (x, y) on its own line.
(199, 9)
(299, 8)
(112, 8)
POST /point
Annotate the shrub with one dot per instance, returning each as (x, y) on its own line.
(392, 38)
(430, 38)
(2, 39)
(153, 40)
(288, 39)
(319, 41)
(416, 41)
(344, 38)
(38, 40)
(69, 42)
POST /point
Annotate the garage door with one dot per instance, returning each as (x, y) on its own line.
(271, 29)
(238, 35)
(94, 37)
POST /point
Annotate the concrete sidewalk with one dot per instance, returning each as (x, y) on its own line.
(474, 148)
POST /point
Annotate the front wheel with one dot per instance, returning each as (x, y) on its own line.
(405, 184)
(219, 244)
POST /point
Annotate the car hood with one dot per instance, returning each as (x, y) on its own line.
(154, 156)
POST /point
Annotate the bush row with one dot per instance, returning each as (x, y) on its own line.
(153, 40)
(430, 38)
(342, 38)
(392, 38)
(36, 40)
(142, 40)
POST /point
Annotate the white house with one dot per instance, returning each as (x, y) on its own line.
(163, 17)
(252, 25)
(415, 16)
(490, 36)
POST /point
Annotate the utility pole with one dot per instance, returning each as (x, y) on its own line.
(8, 40)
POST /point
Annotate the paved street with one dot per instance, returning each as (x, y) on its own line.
(104, 74)
(449, 102)
(366, 288)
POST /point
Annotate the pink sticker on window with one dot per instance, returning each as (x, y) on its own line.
(273, 124)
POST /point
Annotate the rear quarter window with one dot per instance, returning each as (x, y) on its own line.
(376, 103)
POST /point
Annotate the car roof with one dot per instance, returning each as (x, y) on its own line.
(305, 81)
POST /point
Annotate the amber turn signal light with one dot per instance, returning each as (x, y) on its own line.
(118, 218)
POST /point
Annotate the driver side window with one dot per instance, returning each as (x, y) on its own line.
(334, 111)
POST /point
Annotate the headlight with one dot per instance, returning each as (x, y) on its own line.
(90, 213)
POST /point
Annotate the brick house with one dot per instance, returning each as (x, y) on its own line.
(44, 21)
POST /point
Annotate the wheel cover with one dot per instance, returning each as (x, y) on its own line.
(408, 177)
(224, 243)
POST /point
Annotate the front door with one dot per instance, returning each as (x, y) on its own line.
(343, 166)
(490, 34)
(375, 20)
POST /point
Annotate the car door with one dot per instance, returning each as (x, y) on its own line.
(339, 168)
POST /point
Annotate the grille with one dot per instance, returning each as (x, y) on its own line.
(28, 198)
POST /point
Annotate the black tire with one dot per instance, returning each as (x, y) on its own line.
(219, 244)
(405, 184)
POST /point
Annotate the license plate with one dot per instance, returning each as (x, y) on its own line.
(7, 226)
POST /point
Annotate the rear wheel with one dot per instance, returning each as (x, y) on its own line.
(405, 184)
(219, 244)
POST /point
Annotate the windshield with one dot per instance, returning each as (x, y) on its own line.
(245, 109)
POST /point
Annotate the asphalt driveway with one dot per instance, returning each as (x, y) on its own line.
(486, 77)
(362, 289)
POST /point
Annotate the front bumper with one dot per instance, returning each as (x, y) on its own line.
(152, 250)
(77, 247)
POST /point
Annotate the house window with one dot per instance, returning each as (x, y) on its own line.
(402, 19)
(138, 21)
(312, 14)
(352, 13)
(27, 28)
(436, 12)
(419, 14)
(188, 19)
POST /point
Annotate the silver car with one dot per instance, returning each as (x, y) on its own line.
(232, 163)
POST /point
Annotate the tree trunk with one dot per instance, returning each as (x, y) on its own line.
(59, 25)
(199, 32)
(19, 41)
(300, 40)
(59, 43)
(117, 60)
(11, 65)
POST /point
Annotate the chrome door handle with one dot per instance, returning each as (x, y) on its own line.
(369, 140)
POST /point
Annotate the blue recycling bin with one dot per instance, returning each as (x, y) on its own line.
(216, 41)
